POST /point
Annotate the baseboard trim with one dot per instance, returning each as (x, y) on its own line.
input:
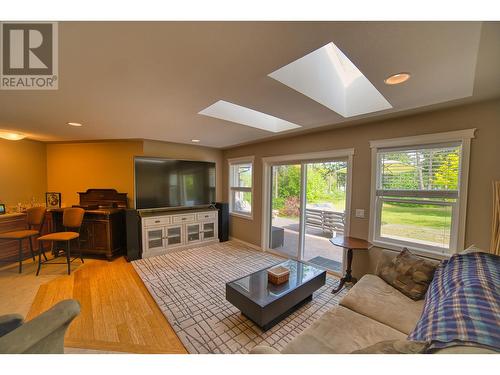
(255, 247)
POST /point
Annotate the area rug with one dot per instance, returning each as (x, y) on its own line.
(189, 287)
(323, 262)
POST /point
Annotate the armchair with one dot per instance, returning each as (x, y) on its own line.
(43, 334)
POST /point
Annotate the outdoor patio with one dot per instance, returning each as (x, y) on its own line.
(317, 249)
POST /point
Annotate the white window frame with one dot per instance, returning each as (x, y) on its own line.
(236, 161)
(269, 162)
(457, 235)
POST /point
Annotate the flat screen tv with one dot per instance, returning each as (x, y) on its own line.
(168, 183)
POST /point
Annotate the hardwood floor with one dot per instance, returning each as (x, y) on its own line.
(117, 312)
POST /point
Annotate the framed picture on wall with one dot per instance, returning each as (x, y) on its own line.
(53, 200)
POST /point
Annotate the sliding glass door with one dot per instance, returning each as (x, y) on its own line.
(324, 212)
(307, 207)
(285, 209)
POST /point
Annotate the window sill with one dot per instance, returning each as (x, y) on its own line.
(243, 216)
(414, 248)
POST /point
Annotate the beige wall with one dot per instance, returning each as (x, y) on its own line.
(188, 152)
(484, 165)
(23, 172)
(76, 167)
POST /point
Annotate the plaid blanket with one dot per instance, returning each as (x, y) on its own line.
(462, 305)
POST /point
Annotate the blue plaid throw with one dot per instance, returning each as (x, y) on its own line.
(462, 305)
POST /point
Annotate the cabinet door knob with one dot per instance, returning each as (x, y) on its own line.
(157, 221)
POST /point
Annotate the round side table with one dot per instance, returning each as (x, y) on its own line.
(349, 243)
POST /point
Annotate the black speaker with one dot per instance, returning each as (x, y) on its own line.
(134, 234)
(223, 221)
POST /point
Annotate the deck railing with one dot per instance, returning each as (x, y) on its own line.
(326, 220)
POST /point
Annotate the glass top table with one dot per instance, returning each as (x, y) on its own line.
(266, 303)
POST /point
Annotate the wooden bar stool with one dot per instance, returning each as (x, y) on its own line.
(35, 218)
(72, 221)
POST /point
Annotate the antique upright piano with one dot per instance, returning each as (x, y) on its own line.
(103, 228)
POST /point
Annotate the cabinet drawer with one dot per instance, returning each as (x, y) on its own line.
(206, 215)
(157, 220)
(177, 219)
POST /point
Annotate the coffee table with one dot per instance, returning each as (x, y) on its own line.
(265, 303)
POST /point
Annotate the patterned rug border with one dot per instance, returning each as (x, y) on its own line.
(244, 333)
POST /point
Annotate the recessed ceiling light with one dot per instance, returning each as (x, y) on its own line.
(11, 136)
(396, 79)
(74, 123)
(195, 140)
(327, 76)
(242, 115)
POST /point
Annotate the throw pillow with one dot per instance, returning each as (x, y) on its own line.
(409, 274)
(394, 347)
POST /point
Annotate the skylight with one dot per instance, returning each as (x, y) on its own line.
(330, 78)
(242, 115)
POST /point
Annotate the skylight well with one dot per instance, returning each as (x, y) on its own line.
(330, 78)
(242, 115)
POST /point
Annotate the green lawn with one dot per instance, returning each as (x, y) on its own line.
(422, 223)
(338, 204)
(422, 216)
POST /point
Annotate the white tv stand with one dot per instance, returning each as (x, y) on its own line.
(163, 231)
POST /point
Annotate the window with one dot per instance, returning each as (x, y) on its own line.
(419, 192)
(241, 186)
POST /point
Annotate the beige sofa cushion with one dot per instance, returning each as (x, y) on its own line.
(461, 349)
(394, 347)
(373, 297)
(263, 349)
(341, 331)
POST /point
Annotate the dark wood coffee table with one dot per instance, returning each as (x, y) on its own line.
(265, 303)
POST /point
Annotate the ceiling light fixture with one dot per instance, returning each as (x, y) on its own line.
(74, 124)
(11, 136)
(396, 79)
(195, 140)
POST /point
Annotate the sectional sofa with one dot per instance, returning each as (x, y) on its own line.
(372, 312)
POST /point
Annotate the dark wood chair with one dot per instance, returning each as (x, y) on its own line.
(35, 218)
(72, 221)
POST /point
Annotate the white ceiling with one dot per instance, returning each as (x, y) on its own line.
(151, 79)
